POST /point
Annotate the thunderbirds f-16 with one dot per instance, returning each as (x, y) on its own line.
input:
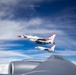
(47, 49)
(49, 40)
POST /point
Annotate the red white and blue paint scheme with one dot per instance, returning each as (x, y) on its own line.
(46, 49)
(36, 39)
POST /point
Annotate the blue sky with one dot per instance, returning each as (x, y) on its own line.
(41, 18)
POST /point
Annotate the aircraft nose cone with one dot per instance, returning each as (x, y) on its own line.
(19, 36)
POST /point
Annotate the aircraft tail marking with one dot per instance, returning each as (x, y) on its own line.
(52, 37)
(52, 48)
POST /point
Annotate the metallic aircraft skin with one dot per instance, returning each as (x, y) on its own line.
(54, 65)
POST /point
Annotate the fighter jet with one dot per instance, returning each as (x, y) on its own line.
(36, 39)
(47, 49)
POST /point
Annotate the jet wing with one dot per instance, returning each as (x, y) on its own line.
(11, 74)
(55, 65)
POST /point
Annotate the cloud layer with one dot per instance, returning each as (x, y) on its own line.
(9, 56)
(19, 17)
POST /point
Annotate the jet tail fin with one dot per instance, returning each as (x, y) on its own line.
(52, 48)
(52, 37)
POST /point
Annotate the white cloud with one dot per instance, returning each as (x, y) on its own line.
(12, 53)
(47, 54)
(7, 7)
(9, 30)
(4, 68)
(7, 44)
(7, 1)
(67, 53)
(44, 55)
(74, 62)
(8, 60)
(4, 45)
(12, 56)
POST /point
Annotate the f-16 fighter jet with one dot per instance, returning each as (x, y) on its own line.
(47, 49)
(49, 40)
